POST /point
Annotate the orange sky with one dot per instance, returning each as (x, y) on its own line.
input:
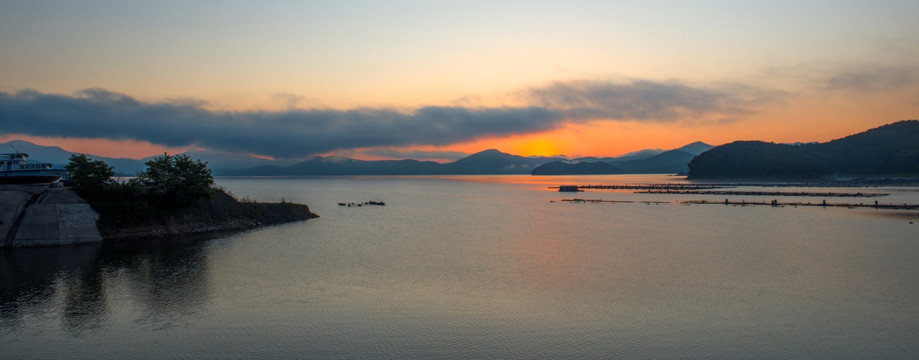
(616, 77)
(597, 138)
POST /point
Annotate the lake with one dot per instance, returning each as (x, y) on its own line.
(487, 267)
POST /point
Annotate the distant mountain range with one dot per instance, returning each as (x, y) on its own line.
(56, 155)
(888, 151)
(666, 162)
(489, 162)
(217, 161)
(485, 162)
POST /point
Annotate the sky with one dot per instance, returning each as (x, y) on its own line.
(441, 79)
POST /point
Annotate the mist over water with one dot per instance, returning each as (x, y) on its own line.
(485, 267)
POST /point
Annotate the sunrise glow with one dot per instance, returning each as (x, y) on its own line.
(578, 79)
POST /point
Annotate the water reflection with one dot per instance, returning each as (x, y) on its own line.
(162, 284)
(460, 269)
(32, 278)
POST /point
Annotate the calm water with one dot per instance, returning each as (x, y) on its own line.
(485, 267)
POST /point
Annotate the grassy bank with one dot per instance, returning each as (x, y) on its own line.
(126, 215)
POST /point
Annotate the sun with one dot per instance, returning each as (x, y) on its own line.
(540, 147)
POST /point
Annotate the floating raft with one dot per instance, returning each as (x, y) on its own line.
(864, 183)
(773, 203)
(352, 204)
(707, 189)
(569, 188)
(636, 187)
(599, 201)
(776, 203)
(760, 193)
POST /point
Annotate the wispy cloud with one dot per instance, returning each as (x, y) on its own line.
(288, 100)
(650, 101)
(872, 78)
(99, 113)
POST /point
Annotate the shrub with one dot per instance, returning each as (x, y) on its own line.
(176, 180)
(89, 173)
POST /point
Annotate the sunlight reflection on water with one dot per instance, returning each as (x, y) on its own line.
(482, 267)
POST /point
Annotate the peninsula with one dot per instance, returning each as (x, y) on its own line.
(218, 213)
(173, 197)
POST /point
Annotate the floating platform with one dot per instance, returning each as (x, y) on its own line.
(776, 203)
(637, 187)
(599, 201)
(569, 188)
(358, 204)
(761, 193)
(773, 203)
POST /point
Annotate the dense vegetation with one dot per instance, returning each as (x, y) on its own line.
(173, 196)
(890, 150)
(89, 173)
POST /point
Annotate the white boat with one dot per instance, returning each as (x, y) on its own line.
(14, 169)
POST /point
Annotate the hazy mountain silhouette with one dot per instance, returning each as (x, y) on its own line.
(342, 166)
(482, 163)
(485, 162)
(696, 148)
(635, 155)
(58, 156)
(666, 162)
(495, 162)
(889, 150)
(218, 162)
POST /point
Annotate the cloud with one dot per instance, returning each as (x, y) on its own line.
(652, 101)
(288, 100)
(99, 113)
(872, 78)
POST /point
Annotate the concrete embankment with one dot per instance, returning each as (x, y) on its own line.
(39, 215)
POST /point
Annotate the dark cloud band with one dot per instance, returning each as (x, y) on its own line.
(98, 113)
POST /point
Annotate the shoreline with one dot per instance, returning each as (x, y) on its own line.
(50, 215)
(219, 214)
(849, 182)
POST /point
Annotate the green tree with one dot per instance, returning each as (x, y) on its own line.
(89, 173)
(177, 179)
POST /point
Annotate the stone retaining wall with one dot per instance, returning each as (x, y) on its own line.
(57, 217)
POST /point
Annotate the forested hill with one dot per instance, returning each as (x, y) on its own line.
(889, 150)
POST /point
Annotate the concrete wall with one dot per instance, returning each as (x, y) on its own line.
(58, 217)
(12, 205)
